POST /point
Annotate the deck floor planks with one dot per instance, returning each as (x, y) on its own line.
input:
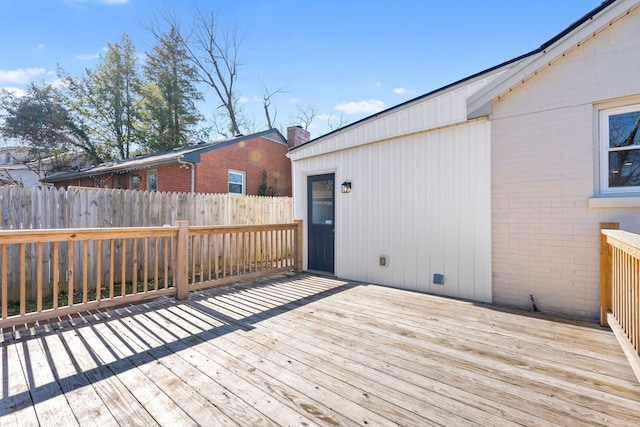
(374, 384)
(274, 382)
(122, 359)
(475, 372)
(555, 349)
(556, 389)
(283, 382)
(361, 407)
(537, 326)
(383, 358)
(120, 401)
(319, 331)
(526, 351)
(560, 388)
(576, 362)
(237, 383)
(188, 387)
(50, 403)
(208, 401)
(170, 354)
(87, 406)
(428, 370)
(16, 400)
(321, 351)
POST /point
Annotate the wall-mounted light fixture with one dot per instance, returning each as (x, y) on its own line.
(346, 187)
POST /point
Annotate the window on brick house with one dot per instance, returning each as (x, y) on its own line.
(152, 181)
(620, 149)
(236, 182)
(116, 181)
(135, 182)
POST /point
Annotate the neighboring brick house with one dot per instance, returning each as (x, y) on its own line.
(235, 165)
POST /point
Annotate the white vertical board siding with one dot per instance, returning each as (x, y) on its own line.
(545, 169)
(422, 200)
(441, 109)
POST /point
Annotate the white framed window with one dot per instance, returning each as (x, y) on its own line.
(135, 182)
(236, 182)
(152, 181)
(620, 149)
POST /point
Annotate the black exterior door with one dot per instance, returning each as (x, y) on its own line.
(320, 211)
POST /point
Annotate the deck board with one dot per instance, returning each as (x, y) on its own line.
(311, 350)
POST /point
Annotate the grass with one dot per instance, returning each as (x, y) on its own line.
(13, 307)
(231, 268)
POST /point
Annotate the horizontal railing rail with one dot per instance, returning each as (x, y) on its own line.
(223, 254)
(68, 271)
(620, 288)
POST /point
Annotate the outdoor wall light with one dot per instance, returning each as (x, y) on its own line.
(346, 187)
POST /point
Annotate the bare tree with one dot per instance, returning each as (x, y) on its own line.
(214, 55)
(7, 179)
(304, 116)
(336, 123)
(267, 96)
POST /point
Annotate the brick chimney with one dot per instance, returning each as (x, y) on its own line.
(296, 136)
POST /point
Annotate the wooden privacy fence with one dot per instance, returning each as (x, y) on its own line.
(49, 208)
(143, 263)
(81, 207)
(620, 288)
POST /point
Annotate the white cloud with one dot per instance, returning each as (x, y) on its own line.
(20, 76)
(371, 106)
(324, 116)
(91, 56)
(114, 1)
(58, 83)
(293, 100)
(40, 46)
(243, 99)
(88, 57)
(378, 84)
(15, 91)
(403, 91)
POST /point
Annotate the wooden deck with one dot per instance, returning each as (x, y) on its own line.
(308, 350)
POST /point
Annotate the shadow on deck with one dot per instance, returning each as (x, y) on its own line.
(311, 350)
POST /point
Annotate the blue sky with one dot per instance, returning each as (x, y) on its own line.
(344, 57)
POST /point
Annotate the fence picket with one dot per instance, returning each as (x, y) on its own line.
(78, 207)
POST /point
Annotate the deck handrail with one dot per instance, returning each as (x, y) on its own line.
(51, 273)
(620, 288)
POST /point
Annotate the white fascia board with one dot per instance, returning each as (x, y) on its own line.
(310, 148)
(529, 66)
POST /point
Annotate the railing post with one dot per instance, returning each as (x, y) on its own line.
(605, 271)
(182, 260)
(299, 243)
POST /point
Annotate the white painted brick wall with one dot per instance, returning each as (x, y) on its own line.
(544, 170)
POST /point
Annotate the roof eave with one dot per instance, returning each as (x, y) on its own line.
(421, 98)
(194, 156)
(106, 171)
(150, 163)
(550, 52)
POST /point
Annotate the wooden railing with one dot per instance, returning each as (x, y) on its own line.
(620, 288)
(221, 254)
(69, 271)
